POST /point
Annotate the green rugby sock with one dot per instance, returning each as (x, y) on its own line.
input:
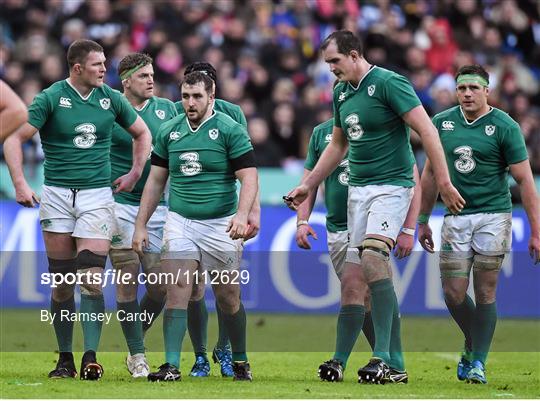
(92, 304)
(223, 337)
(149, 306)
(382, 313)
(197, 316)
(463, 315)
(174, 330)
(483, 328)
(63, 327)
(236, 327)
(368, 330)
(349, 325)
(132, 329)
(396, 353)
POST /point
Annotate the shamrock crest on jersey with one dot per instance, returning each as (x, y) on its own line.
(160, 114)
(87, 137)
(105, 103)
(355, 130)
(371, 90)
(489, 130)
(213, 134)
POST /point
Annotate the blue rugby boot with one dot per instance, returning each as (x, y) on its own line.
(201, 368)
(477, 373)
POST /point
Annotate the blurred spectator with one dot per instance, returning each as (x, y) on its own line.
(266, 53)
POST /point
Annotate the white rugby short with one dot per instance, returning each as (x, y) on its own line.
(488, 234)
(376, 209)
(124, 227)
(203, 240)
(338, 248)
(85, 213)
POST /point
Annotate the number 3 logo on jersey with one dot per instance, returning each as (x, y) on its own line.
(355, 130)
(87, 137)
(192, 165)
(465, 164)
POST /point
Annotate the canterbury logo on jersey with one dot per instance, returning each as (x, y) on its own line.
(65, 102)
(447, 126)
(341, 97)
(328, 138)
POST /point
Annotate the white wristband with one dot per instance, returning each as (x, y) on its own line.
(408, 231)
(301, 223)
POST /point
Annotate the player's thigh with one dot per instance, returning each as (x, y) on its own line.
(387, 210)
(123, 225)
(177, 276)
(179, 241)
(59, 245)
(94, 210)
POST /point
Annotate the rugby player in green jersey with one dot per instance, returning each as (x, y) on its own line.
(373, 108)
(13, 111)
(137, 74)
(197, 311)
(203, 152)
(481, 144)
(75, 119)
(335, 199)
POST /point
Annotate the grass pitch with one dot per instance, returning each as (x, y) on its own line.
(288, 352)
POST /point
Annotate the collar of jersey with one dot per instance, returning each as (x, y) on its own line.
(474, 121)
(201, 124)
(362, 79)
(146, 103)
(78, 93)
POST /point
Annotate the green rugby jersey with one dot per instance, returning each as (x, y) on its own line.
(336, 184)
(232, 110)
(478, 154)
(154, 113)
(370, 116)
(202, 181)
(75, 133)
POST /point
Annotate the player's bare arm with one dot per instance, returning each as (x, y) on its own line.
(249, 186)
(429, 197)
(303, 229)
(329, 160)
(254, 218)
(14, 159)
(523, 175)
(405, 239)
(155, 184)
(142, 143)
(418, 120)
(13, 111)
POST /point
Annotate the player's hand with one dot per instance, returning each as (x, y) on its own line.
(238, 226)
(254, 223)
(534, 249)
(126, 183)
(140, 240)
(425, 237)
(404, 245)
(296, 196)
(302, 233)
(452, 199)
(25, 196)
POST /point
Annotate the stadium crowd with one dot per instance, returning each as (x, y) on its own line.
(266, 54)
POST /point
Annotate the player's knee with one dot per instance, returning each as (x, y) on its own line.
(92, 289)
(375, 259)
(454, 295)
(126, 292)
(63, 278)
(121, 258)
(353, 287)
(156, 292)
(197, 292)
(87, 259)
(63, 292)
(228, 301)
